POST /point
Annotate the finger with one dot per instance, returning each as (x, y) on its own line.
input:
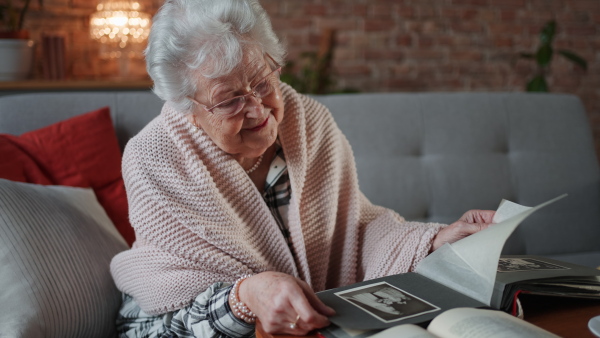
(311, 317)
(471, 228)
(316, 303)
(485, 216)
(300, 329)
(294, 324)
(308, 314)
(478, 216)
(286, 321)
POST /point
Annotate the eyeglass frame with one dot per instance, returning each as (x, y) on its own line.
(252, 92)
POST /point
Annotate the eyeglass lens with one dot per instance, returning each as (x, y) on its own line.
(236, 104)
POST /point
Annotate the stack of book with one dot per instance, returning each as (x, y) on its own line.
(53, 56)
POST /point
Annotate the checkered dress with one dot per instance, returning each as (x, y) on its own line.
(210, 315)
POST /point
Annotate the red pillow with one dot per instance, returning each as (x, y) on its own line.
(82, 151)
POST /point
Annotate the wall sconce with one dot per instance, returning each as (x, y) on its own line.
(121, 27)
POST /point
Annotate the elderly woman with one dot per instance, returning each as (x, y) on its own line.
(243, 193)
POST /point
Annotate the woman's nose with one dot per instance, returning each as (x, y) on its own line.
(253, 107)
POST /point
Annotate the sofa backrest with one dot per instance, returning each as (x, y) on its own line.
(130, 111)
(429, 156)
(433, 156)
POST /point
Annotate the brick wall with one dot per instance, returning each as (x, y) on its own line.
(404, 45)
(448, 45)
(70, 18)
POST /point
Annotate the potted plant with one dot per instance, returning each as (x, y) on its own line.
(314, 75)
(543, 57)
(16, 49)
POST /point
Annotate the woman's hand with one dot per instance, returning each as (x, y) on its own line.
(279, 300)
(471, 222)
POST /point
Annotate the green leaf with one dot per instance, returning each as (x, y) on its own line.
(544, 55)
(288, 78)
(537, 84)
(526, 55)
(548, 32)
(574, 57)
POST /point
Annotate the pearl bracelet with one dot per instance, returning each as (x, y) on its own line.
(239, 308)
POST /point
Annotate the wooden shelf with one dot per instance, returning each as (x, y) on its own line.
(40, 85)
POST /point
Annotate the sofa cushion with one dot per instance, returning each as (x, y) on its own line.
(82, 151)
(56, 244)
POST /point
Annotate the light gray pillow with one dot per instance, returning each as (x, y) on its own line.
(56, 244)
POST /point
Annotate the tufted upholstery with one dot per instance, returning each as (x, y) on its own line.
(434, 156)
(429, 156)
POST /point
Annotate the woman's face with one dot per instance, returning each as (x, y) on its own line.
(249, 133)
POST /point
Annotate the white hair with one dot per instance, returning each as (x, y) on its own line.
(204, 37)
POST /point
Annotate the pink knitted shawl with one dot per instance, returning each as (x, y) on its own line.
(199, 218)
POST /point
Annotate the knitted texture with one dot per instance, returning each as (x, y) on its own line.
(199, 219)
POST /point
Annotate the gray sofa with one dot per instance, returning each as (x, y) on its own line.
(429, 156)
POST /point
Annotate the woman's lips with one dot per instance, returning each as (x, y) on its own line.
(260, 126)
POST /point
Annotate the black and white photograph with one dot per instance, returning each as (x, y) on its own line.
(386, 302)
(526, 264)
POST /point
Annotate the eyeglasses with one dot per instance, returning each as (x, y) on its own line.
(234, 105)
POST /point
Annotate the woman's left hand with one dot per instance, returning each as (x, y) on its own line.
(471, 222)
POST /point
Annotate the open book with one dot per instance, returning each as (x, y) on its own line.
(462, 274)
(468, 322)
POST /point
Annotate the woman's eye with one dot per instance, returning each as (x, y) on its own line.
(263, 88)
(230, 103)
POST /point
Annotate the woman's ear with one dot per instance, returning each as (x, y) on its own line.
(191, 117)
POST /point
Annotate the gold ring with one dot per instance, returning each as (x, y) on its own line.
(293, 325)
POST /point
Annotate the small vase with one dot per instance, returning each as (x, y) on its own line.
(17, 59)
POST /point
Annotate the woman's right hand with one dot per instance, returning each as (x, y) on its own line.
(278, 299)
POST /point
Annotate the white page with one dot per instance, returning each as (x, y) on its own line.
(404, 331)
(508, 209)
(469, 322)
(469, 266)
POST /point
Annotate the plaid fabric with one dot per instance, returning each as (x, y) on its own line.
(278, 192)
(133, 322)
(210, 315)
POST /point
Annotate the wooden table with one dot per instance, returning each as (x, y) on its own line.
(566, 317)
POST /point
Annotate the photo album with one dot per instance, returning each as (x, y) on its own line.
(457, 283)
